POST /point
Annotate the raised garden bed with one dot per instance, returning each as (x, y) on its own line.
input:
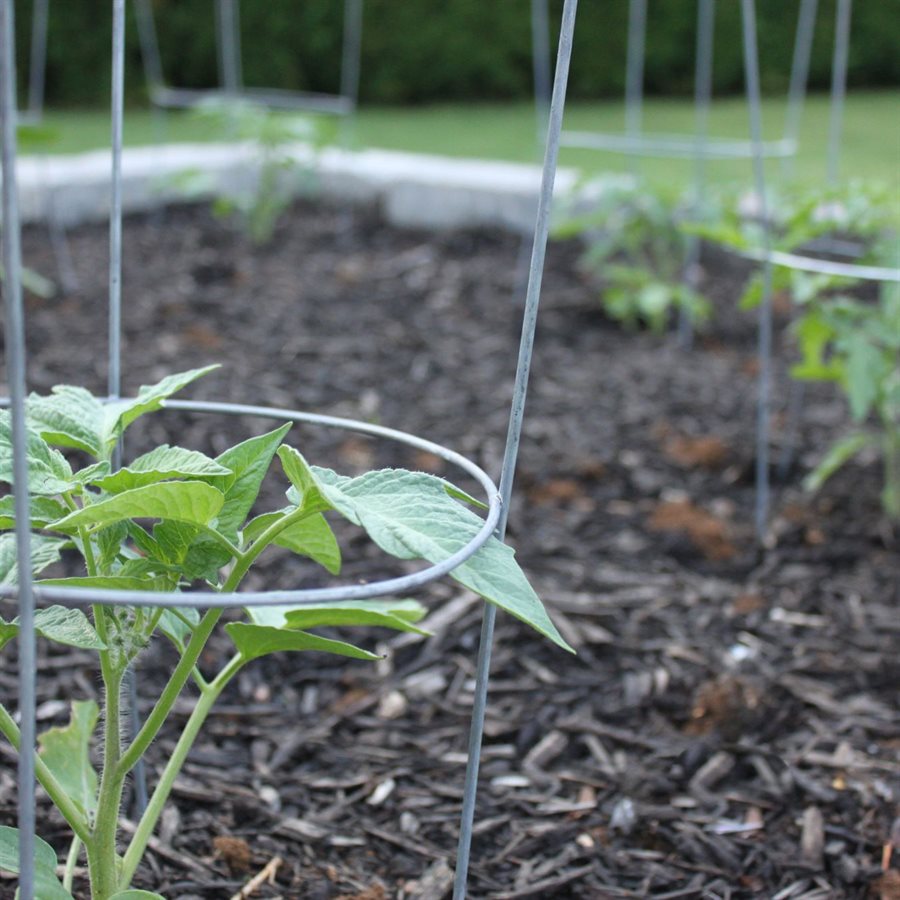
(730, 725)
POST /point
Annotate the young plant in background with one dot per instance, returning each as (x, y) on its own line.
(257, 204)
(171, 518)
(637, 247)
(856, 345)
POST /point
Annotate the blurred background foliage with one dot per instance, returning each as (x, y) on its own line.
(417, 51)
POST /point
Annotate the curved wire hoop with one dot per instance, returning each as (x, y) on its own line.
(204, 599)
(800, 263)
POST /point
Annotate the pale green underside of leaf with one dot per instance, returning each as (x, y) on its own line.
(44, 552)
(66, 751)
(410, 515)
(48, 471)
(41, 509)
(110, 582)
(72, 417)
(311, 537)
(47, 885)
(254, 641)
(400, 615)
(193, 502)
(162, 464)
(178, 624)
(56, 623)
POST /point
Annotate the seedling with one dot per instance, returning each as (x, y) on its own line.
(856, 345)
(173, 518)
(636, 245)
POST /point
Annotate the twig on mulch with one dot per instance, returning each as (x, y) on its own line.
(267, 873)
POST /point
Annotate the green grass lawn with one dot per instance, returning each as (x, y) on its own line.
(870, 146)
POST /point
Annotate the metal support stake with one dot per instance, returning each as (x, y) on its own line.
(37, 63)
(514, 433)
(540, 61)
(838, 87)
(634, 75)
(706, 11)
(764, 344)
(15, 368)
(806, 21)
(351, 63)
(228, 33)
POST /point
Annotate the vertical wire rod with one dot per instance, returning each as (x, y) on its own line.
(149, 42)
(37, 63)
(115, 210)
(838, 87)
(514, 433)
(806, 21)
(15, 367)
(634, 74)
(229, 44)
(706, 11)
(764, 342)
(351, 66)
(540, 63)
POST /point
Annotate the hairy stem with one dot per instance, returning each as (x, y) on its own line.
(154, 809)
(46, 778)
(71, 862)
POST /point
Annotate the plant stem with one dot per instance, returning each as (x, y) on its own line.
(101, 848)
(161, 794)
(71, 862)
(891, 497)
(170, 694)
(48, 782)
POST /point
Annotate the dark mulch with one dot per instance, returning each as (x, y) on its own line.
(729, 727)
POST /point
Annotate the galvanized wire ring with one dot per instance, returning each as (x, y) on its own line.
(800, 263)
(675, 146)
(74, 597)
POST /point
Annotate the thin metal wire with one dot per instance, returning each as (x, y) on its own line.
(351, 66)
(37, 63)
(702, 101)
(15, 368)
(115, 213)
(514, 433)
(203, 599)
(838, 87)
(634, 74)
(229, 45)
(540, 64)
(824, 266)
(806, 21)
(764, 344)
(674, 146)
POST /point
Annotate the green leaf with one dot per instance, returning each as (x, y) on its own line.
(253, 641)
(172, 540)
(69, 417)
(162, 464)
(838, 454)
(400, 615)
(194, 502)
(866, 367)
(56, 623)
(411, 516)
(47, 885)
(42, 509)
(48, 471)
(110, 582)
(66, 751)
(309, 493)
(178, 624)
(248, 461)
(311, 537)
(121, 413)
(44, 552)
(109, 544)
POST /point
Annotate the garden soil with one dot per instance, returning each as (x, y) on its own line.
(729, 726)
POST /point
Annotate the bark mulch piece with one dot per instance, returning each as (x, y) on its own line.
(729, 727)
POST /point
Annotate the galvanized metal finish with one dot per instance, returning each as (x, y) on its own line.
(114, 376)
(838, 86)
(37, 62)
(806, 21)
(702, 101)
(15, 372)
(634, 74)
(202, 599)
(540, 65)
(228, 55)
(825, 266)
(764, 343)
(514, 432)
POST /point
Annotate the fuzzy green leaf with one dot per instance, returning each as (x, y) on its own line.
(248, 461)
(48, 471)
(162, 464)
(110, 582)
(42, 509)
(70, 417)
(309, 494)
(66, 751)
(178, 624)
(44, 552)
(400, 615)
(311, 537)
(253, 641)
(411, 516)
(193, 502)
(866, 367)
(47, 885)
(56, 623)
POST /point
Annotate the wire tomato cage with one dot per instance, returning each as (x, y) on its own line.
(26, 593)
